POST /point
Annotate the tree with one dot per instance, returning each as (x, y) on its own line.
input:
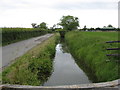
(104, 26)
(69, 22)
(110, 25)
(34, 25)
(85, 28)
(53, 27)
(91, 29)
(43, 25)
(97, 28)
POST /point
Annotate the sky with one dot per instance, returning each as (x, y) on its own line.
(92, 13)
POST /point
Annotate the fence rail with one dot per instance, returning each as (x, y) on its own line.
(113, 42)
(113, 49)
(117, 55)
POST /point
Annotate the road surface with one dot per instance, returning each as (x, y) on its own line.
(12, 51)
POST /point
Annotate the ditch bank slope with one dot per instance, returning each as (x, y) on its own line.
(34, 67)
(89, 50)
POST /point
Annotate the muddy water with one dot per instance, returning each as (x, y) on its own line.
(66, 71)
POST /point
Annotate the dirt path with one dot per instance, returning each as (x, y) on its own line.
(12, 51)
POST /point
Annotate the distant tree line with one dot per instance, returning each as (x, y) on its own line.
(69, 23)
(105, 28)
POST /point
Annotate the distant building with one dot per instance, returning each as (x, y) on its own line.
(108, 28)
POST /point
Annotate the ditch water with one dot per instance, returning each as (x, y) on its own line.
(66, 71)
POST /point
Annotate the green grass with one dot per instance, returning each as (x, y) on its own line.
(34, 67)
(89, 50)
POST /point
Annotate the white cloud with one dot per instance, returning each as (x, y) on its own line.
(11, 4)
(86, 5)
(93, 13)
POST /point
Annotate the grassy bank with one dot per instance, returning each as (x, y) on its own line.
(89, 50)
(34, 67)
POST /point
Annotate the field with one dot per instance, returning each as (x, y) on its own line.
(89, 50)
(11, 35)
(34, 67)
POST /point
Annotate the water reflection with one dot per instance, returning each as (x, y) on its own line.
(66, 71)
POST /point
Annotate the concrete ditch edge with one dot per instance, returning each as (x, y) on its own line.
(112, 84)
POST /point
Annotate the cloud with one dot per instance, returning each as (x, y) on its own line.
(85, 5)
(58, 4)
(12, 4)
(24, 12)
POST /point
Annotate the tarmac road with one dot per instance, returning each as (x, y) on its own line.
(12, 51)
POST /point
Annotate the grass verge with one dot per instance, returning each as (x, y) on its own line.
(89, 50)
(34, 67)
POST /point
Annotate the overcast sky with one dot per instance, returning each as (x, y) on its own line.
(92, 13)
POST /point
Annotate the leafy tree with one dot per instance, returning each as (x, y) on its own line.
(91, 29)
(98, 28)
(53, 27)
(110, 25)
(85, 27)
(34, 25)
(69, 22)
(43, 25)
